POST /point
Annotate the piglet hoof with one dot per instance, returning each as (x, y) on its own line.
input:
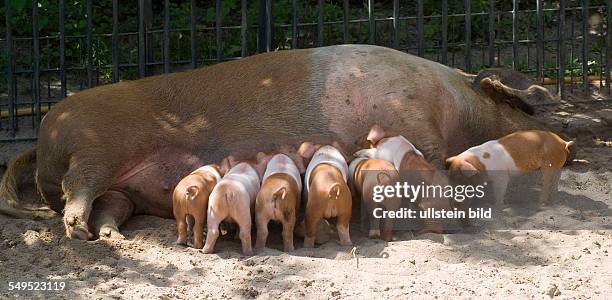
(346, 243)
(288, 248)
(207, 250)
(374, 233)
(76, 229)
(198, 245)
(181, 241)
(247, 252)
(110, 232)
(309, 242)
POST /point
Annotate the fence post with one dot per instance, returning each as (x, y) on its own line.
(468, 36)
(345, 19)
(218, 29)
(561, 50)
(294, 26)
(371, 22)
(36, 71)
(148, 26)
(491, 33)
(264, 41)
(115, 41)
(608, 43)
(395, 23)
(444, 32)
(166, 36)
(243, 28)
(539, 45)
(320, 23)
(192, 33)
(10, 70)
(515, 5)
(142, 54)
(62, 37)
(420, 40)
(585, 45)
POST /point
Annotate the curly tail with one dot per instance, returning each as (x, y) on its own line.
(9, 191)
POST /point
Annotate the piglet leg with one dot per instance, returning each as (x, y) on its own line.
(288, 233)
(343, 228)
(262, 231)
(550, 182)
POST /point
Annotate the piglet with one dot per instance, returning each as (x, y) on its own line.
(325, 182)
(390, 148)
(190, 200)
(365, 174)
(515, 153)
(233, 200)
(278, 199)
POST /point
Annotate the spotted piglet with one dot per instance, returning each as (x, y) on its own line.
(233, 200)
(516, 153)
(325, 182)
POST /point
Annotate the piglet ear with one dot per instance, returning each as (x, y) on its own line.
(383, 178)
(280, 194)
(376, 134)
(468, 169)
(307, 150)
(449, 161)
(225, 166)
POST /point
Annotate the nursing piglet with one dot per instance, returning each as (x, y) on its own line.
(233, 200)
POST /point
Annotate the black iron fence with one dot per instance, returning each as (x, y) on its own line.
(54, 48)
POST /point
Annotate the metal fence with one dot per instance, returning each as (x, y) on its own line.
(565, 43)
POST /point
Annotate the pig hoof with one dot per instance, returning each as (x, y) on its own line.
(198, 245)
(289, 248)
(247, 252)
(346, 243)
(76, 229)
(207, 250)
(111, 233)
(181, 241)
(309, 242)
(374, 233)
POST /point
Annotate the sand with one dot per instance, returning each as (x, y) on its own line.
(568, 257)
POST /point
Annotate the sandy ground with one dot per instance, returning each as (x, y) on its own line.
(567, 257)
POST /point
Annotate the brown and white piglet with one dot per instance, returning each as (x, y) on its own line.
(278, 199)
(233, 200)
(328, 194)
(516, 153)
(365, 175)
(190, 200)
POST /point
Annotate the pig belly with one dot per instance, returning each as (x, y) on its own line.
(150, 184)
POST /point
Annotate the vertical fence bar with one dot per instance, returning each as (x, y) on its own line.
(243, 28)
(90, 73)
(36, 69)
(192, 33)
(10, 70)
(420, 41)
(585, 45)
(345, 19)
(320, 23)
(261, 28)
(608, 43)
(166, 36)
(444, 58)
(514, 33)
(561, 50)
(539, 45)
(371, 22)
(468, 35)
(294, 27)
(115, 41)
(491, 33)
(62, 29)
(395, 24)
(142, 53)
(217, 29)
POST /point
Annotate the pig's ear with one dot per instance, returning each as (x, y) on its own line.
(280, 194)
(225, 166)
(468, 169)
(449, 161)
(569, 145)
(307, 150)
(376, 134)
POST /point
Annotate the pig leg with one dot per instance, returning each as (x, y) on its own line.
(215, 216)
(343, 220)
(288, 233)
(85, 180)
(199, 221)
(262, 230)
(390, 205)
(313, 217)
(500, 184)
(181, 225)
(244, 224)
(374, 223)
(550, 182)
(109, 211)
